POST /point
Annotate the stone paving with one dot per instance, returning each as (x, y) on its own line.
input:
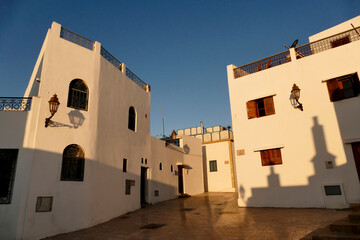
(209, 216)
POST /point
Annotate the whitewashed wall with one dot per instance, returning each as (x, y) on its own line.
(104, 136)
(307, 138)
(220, 180)
(193, 177)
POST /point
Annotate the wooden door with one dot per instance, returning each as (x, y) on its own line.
(356, 152)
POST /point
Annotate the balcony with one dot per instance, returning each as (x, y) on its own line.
(15, 104)
(301, 52)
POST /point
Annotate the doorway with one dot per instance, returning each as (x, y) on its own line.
(356, 152)
(181, 179)
(143, 187)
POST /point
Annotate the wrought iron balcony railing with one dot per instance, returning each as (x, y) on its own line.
(76, 38)
(301, 51)
(15, 103)
(135, 78)
(110, 58)
(89, 44)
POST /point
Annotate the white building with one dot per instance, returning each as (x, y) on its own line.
(286, 157)
(218, 155)
(96, 159)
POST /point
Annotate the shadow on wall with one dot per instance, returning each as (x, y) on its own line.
(76, 118)
(100, 196)
(280, 196)
(348, 120)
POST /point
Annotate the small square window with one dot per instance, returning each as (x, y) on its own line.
(271, 157)
(213, 166)
(260, 107)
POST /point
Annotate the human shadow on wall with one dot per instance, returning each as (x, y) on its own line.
(276, 195)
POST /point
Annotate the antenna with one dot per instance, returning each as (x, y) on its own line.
(355, 30)
(163, 122)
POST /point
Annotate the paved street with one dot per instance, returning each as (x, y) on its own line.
(209, 216)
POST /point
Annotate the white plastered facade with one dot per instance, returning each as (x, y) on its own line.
(322, 132)
(104, 136)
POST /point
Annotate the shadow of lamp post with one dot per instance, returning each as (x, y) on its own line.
(295, 93)
(76, 118)
(53, 106)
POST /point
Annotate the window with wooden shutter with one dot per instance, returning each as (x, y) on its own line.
(251, 109)
(269, 106)
(260, 107)
(270, 157)
(343, 87)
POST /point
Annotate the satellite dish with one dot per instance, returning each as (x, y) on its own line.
(293, 44)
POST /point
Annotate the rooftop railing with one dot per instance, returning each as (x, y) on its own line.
(328, 43)
(135, 78)
(76, 38)
(89, 44)
(110, 58)
(16, 104)
(301, 51)
(262, 64)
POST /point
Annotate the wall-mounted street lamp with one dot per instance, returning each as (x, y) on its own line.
(53, 106)
(295, 92)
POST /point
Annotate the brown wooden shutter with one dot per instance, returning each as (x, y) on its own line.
(333, 88)
(264, 161)
(251, 109)
(269, 106)
(277, 159)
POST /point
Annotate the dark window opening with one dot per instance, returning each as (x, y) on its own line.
(73, 163)
(124, 165)
(132, 119)
(78, 95)
(340, 41)
(213, 166)
(271, 157)
(171, 168)
(8, 158)
(160, 166)
(343, 87)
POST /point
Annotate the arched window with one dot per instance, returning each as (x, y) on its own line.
(171, 169)
(160, 166)
(73, 163)
(78, 95)
(132, 119)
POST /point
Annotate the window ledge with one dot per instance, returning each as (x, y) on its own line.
(352, 140)
(261, 96)
(269, 147)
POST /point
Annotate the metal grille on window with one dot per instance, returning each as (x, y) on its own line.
(78, 95)
(73, 163)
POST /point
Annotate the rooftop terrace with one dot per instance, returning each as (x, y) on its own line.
(301, 52)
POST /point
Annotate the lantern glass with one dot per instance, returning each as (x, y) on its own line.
(295, 92)
(54, 104)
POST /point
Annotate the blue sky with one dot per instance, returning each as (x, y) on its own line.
(180, 48)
